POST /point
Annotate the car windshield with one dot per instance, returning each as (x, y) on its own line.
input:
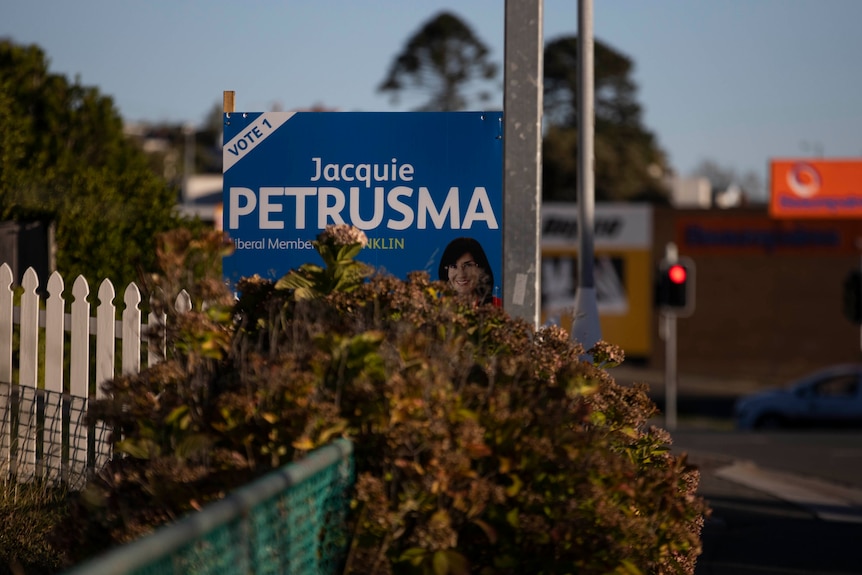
(842, 385)
(839, 385)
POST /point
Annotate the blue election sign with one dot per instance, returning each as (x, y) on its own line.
(412, 182)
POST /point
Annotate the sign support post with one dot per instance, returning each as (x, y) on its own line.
(522, 159)
(228, 101)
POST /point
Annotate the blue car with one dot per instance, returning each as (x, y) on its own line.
(831, 397)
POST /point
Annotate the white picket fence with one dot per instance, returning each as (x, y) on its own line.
(44, 434)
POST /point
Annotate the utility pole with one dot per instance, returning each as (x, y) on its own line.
(585, 325)
(522, 159)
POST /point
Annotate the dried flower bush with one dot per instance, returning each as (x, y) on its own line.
(482, 445)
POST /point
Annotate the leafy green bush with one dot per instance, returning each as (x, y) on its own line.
(482, 445)
(64, 157)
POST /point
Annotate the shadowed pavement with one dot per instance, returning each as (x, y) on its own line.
(752, 531)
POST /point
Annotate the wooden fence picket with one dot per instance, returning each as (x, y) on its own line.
(6, 323)
(55, 466)
(132, 330)
(106, 330)
(28, 371)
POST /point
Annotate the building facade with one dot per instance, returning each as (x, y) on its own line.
(768, 293)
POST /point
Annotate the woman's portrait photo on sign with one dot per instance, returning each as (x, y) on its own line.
(465, 267)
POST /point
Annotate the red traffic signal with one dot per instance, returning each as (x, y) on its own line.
(675, 286)
(677, 274)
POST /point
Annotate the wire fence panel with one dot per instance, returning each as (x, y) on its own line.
(54, 356)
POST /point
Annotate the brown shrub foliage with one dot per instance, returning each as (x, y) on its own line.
(482, 445)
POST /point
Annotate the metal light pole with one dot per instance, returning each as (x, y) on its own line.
(585, 325)
(188, 160)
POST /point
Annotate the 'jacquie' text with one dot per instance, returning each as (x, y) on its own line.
(366, 173)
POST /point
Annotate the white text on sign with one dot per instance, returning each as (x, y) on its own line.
(402, 204)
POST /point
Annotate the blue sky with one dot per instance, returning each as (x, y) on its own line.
(736, 82)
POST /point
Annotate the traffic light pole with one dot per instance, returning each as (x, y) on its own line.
(859, 245)
(671, 255)
(852, 294)
(675, 298)
(670, 376)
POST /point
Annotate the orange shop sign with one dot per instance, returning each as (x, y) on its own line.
(815, 188)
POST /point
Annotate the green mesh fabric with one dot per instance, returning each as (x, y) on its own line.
(300, 530)
(223, 550)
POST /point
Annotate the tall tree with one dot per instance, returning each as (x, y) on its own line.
(445, 60)
(64, 157)
(629, 164)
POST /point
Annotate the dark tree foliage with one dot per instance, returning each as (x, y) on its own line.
(64, 157)
(444, 59)
(615, 100)
(208, 141)
(628, 161)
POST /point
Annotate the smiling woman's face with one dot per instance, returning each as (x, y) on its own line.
(464, 275)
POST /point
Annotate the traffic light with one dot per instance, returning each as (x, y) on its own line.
(853, 297)
(675, 286)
